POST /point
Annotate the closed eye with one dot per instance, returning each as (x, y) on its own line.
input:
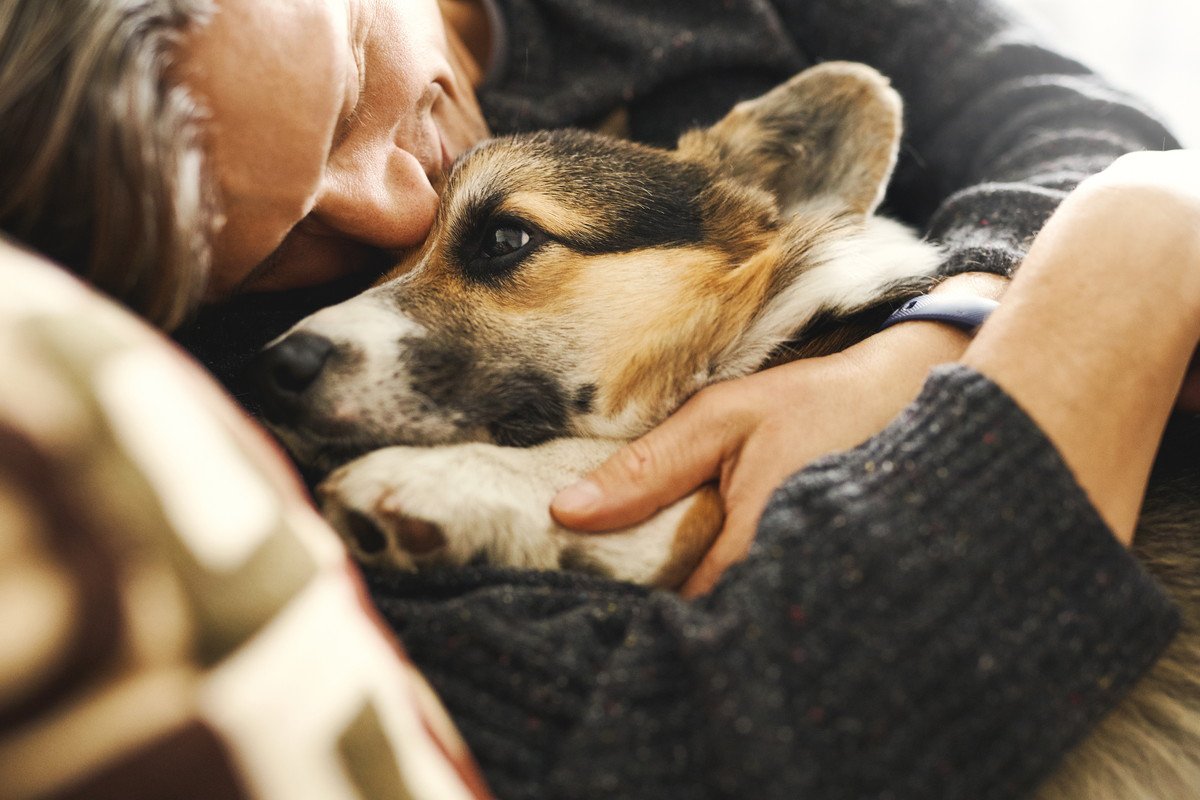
(505, 243)
(358, 81)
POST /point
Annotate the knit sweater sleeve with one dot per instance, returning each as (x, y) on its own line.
(999, 127)
(937, 613)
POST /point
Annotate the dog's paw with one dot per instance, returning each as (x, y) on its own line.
(413, 507)
(416, 507)
(368, 515)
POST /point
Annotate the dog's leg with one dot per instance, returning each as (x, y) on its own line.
(413, 507)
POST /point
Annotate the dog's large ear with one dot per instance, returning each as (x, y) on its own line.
(832, 131)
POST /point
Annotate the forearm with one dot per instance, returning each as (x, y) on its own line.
(1096, 332)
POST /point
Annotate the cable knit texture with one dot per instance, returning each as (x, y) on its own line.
(893, 633)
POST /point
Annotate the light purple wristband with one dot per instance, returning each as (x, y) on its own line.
(962, 311)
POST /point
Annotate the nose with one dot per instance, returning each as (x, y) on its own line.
(284, 371)
(379, 196)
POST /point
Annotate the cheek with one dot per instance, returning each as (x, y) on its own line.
(270, 119)
(306, 260)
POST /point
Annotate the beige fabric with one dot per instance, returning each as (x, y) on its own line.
(175, 619)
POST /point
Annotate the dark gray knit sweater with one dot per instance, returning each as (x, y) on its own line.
(939, 613)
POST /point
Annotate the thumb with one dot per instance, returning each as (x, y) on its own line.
(645, 475)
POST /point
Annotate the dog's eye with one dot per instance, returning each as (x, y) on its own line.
(505, 242)
(504, 239)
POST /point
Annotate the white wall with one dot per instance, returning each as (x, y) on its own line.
(1151, 47)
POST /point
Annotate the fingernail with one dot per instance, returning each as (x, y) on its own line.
(578, 498)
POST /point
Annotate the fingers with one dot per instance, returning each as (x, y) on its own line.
(647, 474)
(745, 500)
(730, 547)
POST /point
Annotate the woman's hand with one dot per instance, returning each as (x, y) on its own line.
(750, 434)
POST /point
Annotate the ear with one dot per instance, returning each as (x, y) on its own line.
(832, 131)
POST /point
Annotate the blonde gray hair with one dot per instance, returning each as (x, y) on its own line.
(100, 163)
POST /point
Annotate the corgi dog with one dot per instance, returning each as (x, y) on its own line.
(575, 290)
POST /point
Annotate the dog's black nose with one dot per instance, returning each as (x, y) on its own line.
(282, 373)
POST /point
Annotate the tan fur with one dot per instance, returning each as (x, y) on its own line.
(556, 216)
(406, 264)
(741, 220)
(693, 537)
(657, 348)
(830, 92)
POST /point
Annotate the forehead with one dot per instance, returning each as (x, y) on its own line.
(598, 193)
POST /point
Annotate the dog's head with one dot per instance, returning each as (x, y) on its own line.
(577, 284)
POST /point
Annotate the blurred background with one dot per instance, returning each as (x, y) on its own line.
(1150, 47)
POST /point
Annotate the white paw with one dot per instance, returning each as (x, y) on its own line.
(415, 507)
(411, 507)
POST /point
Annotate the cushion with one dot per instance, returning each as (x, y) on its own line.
(175, 619)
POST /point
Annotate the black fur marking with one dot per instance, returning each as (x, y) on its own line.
(518, 405)
(438, 367)
(469, 227)
(576, 559)
(585, 398)
(533, 409)
(638, 197)
(648, 197)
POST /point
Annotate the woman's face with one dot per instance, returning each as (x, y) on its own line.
(330, 121)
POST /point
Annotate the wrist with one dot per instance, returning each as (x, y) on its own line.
(926, 340)
(934, 341)
(1094, 339)
(977, 284)
(905, 353)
